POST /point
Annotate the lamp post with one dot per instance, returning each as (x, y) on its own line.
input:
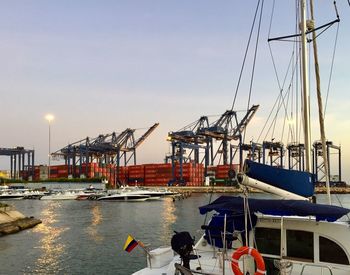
(49, 118)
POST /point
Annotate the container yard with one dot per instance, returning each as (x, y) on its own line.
(202, 153)
(154, 174)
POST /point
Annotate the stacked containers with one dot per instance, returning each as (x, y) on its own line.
(62, 171)
(36, 173)
(136, 175)
(149, 174)
(123, 174)
(222, 170)
(157, 174)
(199, 175)
(192, 173)
(54, 171)
(23, 174)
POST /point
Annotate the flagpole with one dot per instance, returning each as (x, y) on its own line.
(142, 245)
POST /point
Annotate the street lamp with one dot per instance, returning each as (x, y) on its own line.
(49, 118)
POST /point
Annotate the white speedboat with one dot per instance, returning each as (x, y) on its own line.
(124, 196)
(135, 193)
(153, 193)
(62, 195)
(33, 195)
(11, 194)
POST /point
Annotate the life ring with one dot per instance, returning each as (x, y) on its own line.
(244, 250)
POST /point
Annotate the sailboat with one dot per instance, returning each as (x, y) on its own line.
(265, 236)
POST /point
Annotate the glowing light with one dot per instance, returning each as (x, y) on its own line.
(49, 117)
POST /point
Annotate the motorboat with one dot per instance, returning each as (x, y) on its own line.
(62, 195)
(11, 194)
(20, 193)
(33, 195)
(128, 196)
(154, 194)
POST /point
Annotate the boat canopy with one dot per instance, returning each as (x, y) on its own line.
(298, 182)
(235, 205)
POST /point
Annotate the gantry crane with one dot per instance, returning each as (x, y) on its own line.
(201, 134)
(104, 149)
(21, 162)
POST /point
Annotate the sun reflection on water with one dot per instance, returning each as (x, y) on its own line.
(95, 221)
(49, 261)
(169, 218)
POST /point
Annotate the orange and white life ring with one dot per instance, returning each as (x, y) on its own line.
(244, 250)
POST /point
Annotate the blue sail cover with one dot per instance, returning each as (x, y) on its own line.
(297, 182)
(235, 206)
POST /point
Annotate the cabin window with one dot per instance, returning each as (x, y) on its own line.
(300, 244)
(330, 252)
(268, 240)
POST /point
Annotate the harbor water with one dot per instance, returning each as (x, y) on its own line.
(87, 237)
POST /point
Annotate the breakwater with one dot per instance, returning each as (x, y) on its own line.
(12, 221)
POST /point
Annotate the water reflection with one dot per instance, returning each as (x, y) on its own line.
(95, 221)
(52, 249)
(169, 218)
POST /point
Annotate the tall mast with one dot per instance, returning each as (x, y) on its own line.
(305, 82)
(320, 106)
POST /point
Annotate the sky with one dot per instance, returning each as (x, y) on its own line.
(104, 66)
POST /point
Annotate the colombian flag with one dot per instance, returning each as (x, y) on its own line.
(130, 244)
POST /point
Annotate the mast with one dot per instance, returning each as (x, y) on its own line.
(320, 106)
(305, 82)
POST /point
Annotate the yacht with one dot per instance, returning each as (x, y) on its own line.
(303, 238)
(291, 235)
(128, 196)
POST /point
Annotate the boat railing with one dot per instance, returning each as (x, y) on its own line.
(316, 265)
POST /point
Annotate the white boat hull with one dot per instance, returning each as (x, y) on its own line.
(211, 259)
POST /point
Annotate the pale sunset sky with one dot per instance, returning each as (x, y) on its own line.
(103, 66)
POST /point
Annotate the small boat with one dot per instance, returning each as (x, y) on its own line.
(62, 195)
(33, 195)
(10, 194)
(124, 196)
(91, 193)
(136, 193)
(153, 193)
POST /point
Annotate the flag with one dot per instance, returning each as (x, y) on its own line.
(130, 244)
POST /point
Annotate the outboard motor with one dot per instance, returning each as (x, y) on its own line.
(182, 243)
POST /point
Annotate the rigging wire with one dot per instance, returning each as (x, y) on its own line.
(245, 55)
(332, 65)
(254, 63)
(241, 73)
(291, 69)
